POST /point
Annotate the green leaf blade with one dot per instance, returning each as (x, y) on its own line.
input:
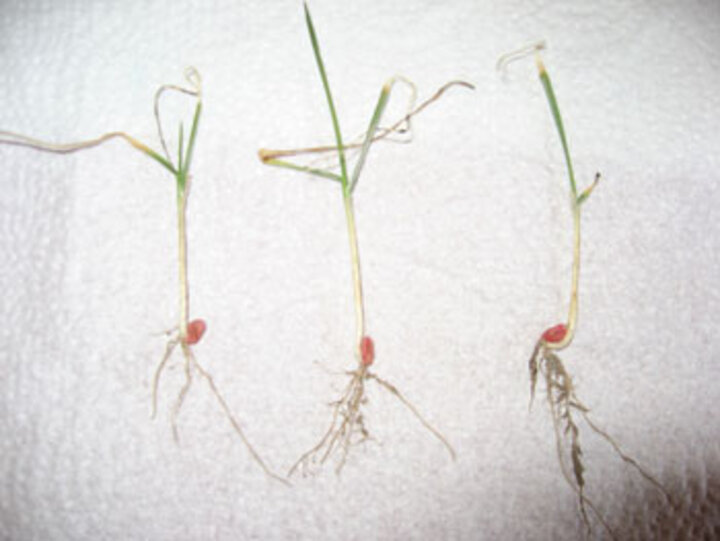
(374, 122)
(328, 97)
(184, 166)
(555, 110)
(305, 169)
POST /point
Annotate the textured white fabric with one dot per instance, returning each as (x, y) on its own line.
(465, 243)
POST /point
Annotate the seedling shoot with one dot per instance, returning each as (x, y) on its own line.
(187, 333)
(562, 399)
(347, 425)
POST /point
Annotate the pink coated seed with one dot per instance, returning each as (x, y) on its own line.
(555, 334)
(367, 351)
(195, 330)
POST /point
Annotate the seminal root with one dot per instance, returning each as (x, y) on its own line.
(347, 427)
(563, 404)
(195, 331)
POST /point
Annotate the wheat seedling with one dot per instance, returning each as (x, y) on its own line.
(347, 426)
(187, 333)
(565, 407)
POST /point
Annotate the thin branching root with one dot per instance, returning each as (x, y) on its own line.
(191, 365)
(347, 427)
(565, 409)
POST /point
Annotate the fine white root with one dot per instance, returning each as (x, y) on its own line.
(347, 427)
(191, 365)
(563, 404)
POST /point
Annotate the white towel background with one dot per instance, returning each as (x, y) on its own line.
(466, 247)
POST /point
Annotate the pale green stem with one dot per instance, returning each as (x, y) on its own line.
(574, 287)
(356, 274)
(574, 204)
(182, 262)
